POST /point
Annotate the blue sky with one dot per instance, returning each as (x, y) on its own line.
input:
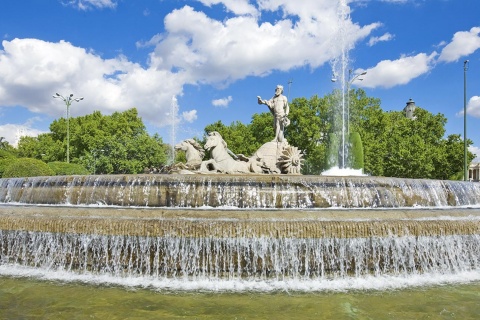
(216, 56)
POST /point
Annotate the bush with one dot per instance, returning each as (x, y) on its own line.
(332, 156)
(65, 169)
(6, 159)
(27, 167)
(355, 155)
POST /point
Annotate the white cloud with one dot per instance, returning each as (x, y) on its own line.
(473, 107)
(390, 73)
(91, 4)
(189, 116)
(194, 49)
(224, 102)
(476, 152)
(42, 68)
(374, 40)
(462, 44)
(13, 132)
(211, 51)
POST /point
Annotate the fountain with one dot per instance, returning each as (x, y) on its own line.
(278, 230)
(256, 225)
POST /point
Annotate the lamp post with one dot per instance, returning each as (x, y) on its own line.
(68, 101)
(289, 84)
(465, 170)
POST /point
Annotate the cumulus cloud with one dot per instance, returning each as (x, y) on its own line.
(224, 102)
(390, 73)
(374, 40)
(473, 107)
(189, 116)
(220, 52)
(195, 49)
(13, 132)
(462, 44)
(42, 68)
(91, 4)
(476, 152)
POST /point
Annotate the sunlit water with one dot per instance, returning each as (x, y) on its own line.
(27, 298)
(345, 172)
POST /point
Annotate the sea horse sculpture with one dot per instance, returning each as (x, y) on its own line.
(193, 152)
(222, 161)
(272, 157)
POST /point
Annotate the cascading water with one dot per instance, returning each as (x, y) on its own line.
(228, 232)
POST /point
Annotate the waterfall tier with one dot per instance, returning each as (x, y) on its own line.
(245, 191)
(247, 228)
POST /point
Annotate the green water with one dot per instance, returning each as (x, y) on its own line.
(22, 298)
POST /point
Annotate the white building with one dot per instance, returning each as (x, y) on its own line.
(474, 172)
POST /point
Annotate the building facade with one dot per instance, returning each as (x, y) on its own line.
(474, 172)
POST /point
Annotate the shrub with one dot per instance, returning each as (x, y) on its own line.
(27, 167)
(355, 155)
(63, 168)
(6, 159)
(332, 154)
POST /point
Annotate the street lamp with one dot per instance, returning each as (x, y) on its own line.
(465, 171)
(350, 81)
(289, 85)
(68, 101)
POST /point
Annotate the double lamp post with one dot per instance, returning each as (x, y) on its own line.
(68, 101)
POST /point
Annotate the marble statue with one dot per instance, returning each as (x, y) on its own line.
(193, 152)
(278, 106)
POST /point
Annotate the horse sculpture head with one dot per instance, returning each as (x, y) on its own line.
(183, 145)
(194, 151)
(214, 139)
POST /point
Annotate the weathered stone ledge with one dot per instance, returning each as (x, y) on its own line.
(241, 223)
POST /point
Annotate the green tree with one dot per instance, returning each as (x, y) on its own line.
(392, 144)
(369, 120)
(4, 143)
(117, 143)
(310, 123)
(63, 168)
(238, 136)
(449, 164)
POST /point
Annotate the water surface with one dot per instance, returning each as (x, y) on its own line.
(27, 298)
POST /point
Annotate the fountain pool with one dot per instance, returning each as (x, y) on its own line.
(241, 233)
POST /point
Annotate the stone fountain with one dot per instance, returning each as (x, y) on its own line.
(231, 227)
(237, 223)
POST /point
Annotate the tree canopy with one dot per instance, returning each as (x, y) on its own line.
(393, 145)
(117, 143)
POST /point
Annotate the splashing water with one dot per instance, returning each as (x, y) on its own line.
(340, 71)
(173, 133)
